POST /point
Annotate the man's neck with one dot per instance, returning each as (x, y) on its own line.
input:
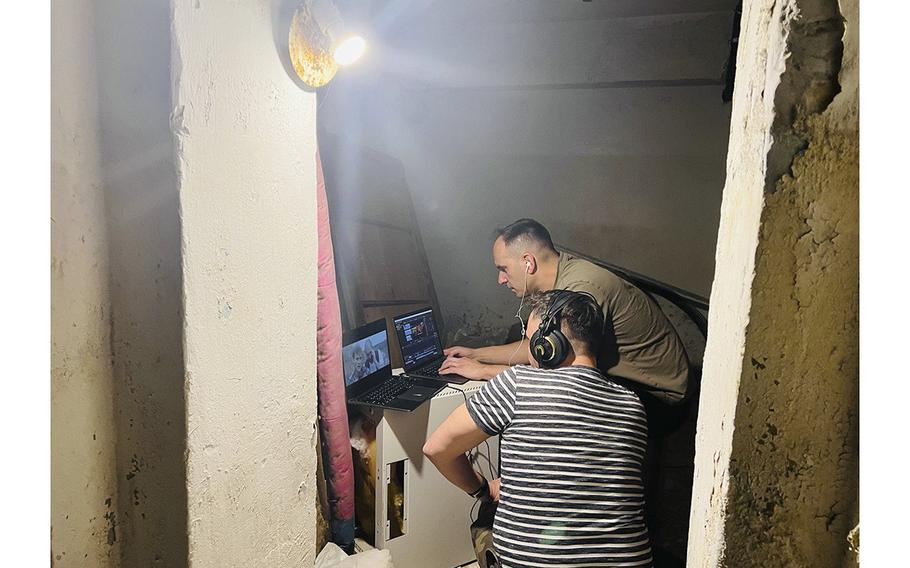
(583, 360)
(546, 273)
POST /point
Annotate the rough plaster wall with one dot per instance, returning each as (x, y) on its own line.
(781, 488)
(83, 482)
(632, 175)
(619, 208)
(246, 144)
(133, 39)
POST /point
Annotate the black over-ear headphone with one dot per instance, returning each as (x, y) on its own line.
(549, 345)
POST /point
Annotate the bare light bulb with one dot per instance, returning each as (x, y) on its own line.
(349, 50)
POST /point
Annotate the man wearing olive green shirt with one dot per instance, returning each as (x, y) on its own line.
(640, 345)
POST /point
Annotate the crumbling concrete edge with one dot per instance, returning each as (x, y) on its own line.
(813, 53)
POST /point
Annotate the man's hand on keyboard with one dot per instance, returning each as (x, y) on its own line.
(468, 368)
(459, 351)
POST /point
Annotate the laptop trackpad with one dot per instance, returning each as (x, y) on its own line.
(417, 393)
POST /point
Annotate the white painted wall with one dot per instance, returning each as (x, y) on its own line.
(83, 471)
(246, 156)
(497, 120)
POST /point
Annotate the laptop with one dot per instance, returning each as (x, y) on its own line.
(421, 350)
(368, 379)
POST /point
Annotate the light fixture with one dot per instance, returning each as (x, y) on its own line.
(349, 50)
(318, 42)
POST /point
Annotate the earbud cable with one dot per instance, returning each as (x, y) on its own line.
(518, 315)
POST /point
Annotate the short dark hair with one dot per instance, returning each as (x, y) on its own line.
(581, 320)
(528, 228)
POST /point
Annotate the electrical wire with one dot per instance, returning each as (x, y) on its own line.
(493, 475)
(521, 304)
(488, 457)
(325, 95)
(471, 516)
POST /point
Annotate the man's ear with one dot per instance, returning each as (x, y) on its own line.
(530, 263)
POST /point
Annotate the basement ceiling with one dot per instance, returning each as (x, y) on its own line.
(545, 44)
(504, 11)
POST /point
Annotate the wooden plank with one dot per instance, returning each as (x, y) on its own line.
(380, 260)
(391, 266)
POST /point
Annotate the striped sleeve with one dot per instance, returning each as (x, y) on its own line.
(493, 406)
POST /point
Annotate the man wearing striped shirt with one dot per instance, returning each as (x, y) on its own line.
(573, 442)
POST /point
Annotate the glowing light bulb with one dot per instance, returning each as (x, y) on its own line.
(349, 50)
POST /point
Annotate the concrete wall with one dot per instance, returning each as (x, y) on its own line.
(134, 55)
(610, 130)
(777, 443)
(642, 190)
(246, 133)
(117, 410)
(246, 140)
(83, 439)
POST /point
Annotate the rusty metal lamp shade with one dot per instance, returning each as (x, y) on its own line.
(310, 43)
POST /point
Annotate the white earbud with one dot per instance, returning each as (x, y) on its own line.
(528, 266)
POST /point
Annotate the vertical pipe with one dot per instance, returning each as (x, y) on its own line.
(333, 415)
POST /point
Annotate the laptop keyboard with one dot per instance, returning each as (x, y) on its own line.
(430, 371)
(387, 392)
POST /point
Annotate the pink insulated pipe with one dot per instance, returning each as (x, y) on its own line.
(333, 412)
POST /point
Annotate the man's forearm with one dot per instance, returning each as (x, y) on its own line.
(490, 371)
(502, 355)
(447, 445)
(459, 472)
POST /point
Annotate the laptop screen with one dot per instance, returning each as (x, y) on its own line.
(419, 338)
(363, 357)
